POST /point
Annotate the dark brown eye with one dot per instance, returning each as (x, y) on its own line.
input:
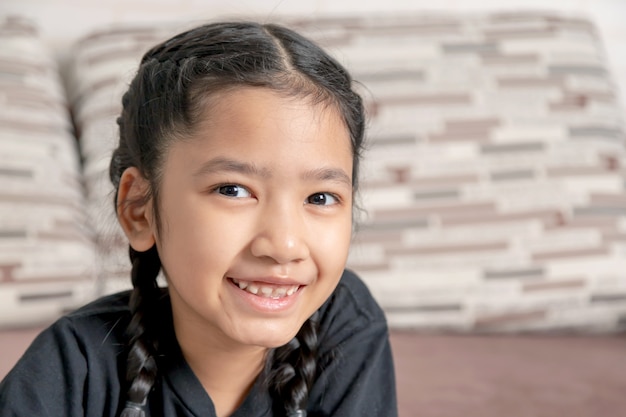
(233, 190)
(322, 199)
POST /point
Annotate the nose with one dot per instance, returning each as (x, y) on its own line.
(281, 235)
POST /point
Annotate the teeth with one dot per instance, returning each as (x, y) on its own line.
(267, 291)
(280, 292)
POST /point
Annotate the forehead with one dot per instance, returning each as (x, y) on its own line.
(239, 100)
(263, 126)
(256, 108)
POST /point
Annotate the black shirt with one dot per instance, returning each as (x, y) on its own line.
(76, 367)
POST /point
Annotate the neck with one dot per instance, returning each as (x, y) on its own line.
(226, 371)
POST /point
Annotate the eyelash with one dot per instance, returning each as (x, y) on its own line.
(333, 196)
(219, 188)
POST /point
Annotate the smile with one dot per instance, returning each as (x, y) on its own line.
(266, 290)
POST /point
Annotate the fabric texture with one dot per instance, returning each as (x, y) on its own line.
(47, 252)
(493, 185)
(102, 65)
(494, 181)
(74, 368)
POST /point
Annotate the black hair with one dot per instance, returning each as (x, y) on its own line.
(163, 103)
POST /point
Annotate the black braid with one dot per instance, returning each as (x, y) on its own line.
(291, 370)
(141, 366)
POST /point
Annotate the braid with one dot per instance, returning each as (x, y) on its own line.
(291, 370)
(141, 366)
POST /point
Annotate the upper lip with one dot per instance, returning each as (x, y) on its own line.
(272, 280)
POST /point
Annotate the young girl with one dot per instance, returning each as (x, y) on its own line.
(235, 175)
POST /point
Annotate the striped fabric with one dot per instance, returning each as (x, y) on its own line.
(494, 185)
(495, 181)
(47, 254)
(103, 65)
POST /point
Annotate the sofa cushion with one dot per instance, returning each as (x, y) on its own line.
(47, 254)
(493, 186)
(102, 65)
(495, 182)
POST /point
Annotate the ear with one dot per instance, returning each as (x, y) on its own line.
(134, 211)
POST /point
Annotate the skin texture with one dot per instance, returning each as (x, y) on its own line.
(262, 193)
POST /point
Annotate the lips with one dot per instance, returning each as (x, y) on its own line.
(266, 290)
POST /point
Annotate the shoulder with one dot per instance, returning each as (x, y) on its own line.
(353, 298)
(112, 304)
(349, 309)
(86, 334)
(103, 318)
(73, 362)
(82, 339)
(356, 374)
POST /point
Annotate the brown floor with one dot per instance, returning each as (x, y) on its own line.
(484, 376)
(510, 376)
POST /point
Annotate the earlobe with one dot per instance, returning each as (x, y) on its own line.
(134, 210)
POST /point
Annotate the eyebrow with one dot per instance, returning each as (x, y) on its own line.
(328, 174)
(230, 165)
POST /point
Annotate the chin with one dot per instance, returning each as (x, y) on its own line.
(274, 342)
(269, 338)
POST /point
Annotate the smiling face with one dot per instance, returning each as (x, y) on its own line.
(255, 214)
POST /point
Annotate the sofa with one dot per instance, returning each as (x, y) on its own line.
(492, 227)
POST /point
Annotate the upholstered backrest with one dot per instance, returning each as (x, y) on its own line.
(47, 252)
(494, 180)
(102, 65)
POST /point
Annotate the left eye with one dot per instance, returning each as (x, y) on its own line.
(322, 199)
(233, 190)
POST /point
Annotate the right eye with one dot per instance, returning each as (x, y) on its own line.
(233, 191)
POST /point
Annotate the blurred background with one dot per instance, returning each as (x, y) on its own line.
(63, 20)
(494, 187)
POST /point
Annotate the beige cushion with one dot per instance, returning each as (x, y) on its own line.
(47, 253)
(494, 184)
(494, 180)
(103, 64)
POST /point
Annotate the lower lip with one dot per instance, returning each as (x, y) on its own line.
(265, 304)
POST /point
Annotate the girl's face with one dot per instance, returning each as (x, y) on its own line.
(256, 213)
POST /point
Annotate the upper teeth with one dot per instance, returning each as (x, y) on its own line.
(267, 291)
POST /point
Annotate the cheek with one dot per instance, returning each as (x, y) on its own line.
(332, 245)
(188, 234)
(331, 254)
